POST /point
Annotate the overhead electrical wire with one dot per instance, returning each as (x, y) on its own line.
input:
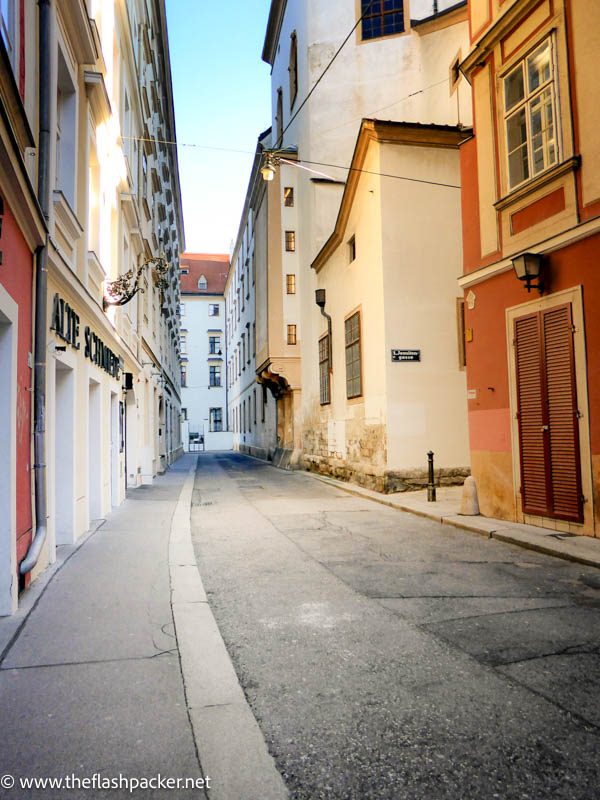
(320, 78)
(306, 161)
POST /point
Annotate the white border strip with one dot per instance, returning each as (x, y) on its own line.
(231, 746)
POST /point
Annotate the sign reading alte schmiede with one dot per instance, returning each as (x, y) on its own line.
(65, 322)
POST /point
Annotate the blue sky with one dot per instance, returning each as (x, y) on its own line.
(222, 99)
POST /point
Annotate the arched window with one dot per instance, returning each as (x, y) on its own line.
(202, 283)
(293, 68)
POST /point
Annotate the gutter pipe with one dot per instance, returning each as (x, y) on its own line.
(41, 294)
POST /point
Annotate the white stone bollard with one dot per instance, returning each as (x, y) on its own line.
(470, 505)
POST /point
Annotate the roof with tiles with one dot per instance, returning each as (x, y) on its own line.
(213, 267)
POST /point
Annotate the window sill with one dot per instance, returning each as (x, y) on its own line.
(570, 165)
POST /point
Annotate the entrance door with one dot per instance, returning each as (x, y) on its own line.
(64, 455)
(548, 414)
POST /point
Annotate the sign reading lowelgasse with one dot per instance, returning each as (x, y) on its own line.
(65, 322)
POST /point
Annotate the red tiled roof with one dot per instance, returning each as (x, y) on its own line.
(214, 267)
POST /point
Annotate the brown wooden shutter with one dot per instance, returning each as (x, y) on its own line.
(564, 457)
(547, 406)
(530, 390)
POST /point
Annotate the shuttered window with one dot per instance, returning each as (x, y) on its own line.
(547, 412)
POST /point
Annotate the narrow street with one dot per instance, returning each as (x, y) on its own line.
(386, 656)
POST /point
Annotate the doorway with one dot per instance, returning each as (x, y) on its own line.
(94, 452)
(64, 453)
(7, 474)
(114, 449)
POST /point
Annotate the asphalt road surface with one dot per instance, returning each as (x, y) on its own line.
(387, 656)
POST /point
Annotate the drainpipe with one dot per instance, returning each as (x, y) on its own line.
(41, 292)
(320, 301)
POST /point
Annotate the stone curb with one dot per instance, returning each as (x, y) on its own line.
(582, 550)
(231, 747)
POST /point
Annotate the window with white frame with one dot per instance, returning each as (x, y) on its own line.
(216, 419)
(530, 115)
(65, 131)
(214, 375)
(202, 283)
(213, 310)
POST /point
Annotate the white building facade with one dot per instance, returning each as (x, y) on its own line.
(106, 322)
(203, 353)
(251, 405)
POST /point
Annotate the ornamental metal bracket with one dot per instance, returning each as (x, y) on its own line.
(120, 291)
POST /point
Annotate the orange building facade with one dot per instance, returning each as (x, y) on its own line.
(531, 185)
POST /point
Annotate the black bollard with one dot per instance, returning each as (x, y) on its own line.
(431, 484)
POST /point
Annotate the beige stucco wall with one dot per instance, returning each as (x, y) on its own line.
(348, 437)
(422, 256)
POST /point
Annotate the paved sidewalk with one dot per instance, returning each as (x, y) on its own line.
(581, 549)
(97, 680)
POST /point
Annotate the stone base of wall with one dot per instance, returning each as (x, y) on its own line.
(256, 452)
(388, 482)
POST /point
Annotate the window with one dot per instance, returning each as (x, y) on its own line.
(291, 334)
(202, 283)
(381, 18)
(184, 414)
(214, 372)
(244, 416)
(279, 117)
(213, 310)
(183, 375)
(351, 249)
(288, 197)
(7, 27)
(290, 241)
(244, 350)
(293, 68)
(324, 393)
(530, 112)
(182, 309)
(145, 186)
(214, 345)
(183, 343)
(264, 401)
(216, 419)
(66, 128)
(290, 283)
(254, 339)
(254, 406)
(184, 270)
(353, 366)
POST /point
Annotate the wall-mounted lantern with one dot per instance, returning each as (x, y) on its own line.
(527, 268)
